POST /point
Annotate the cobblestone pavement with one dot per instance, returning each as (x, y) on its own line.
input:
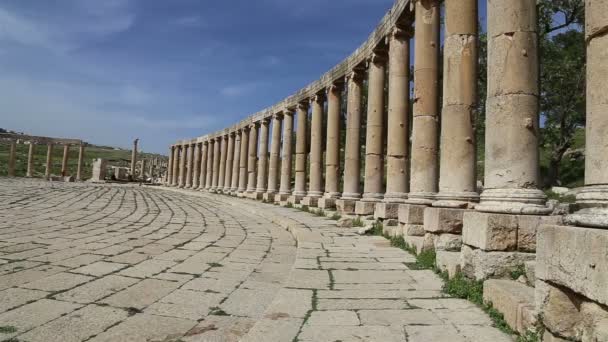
(82, 262)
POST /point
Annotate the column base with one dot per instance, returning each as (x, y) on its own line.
(268, 197)
(327, 203)
(463, 200)
(411, 219)
(592, 205)
(310, 201)
(365, 207)
(346, 206)
(514, 201)
(395, 197)
(385, 211)
(421, 198)
(294, 199)
(281, 198)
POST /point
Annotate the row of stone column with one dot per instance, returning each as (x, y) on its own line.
(49, 160)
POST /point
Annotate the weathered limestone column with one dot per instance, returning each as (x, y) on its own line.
(315, 181)
(374, 148)
(204, 157)
(12, 155)
(571, 262)
(217, 145)
(243, 177)
(64, 161)
(352, 149)
(190, 167)
(253, 157)
(332, 147)
(176, 153)
(236, 163)
(80, 162)
(301, 155)
(286, 161)
(30, 160)
(182, 166)
(49, 161)
(210, 158)
(229, 160)
(262, 181)
(397, 152)
(196, 172)
(143, 164)
(275, 151)
(222, 170)
(512, 127)
(134, 157)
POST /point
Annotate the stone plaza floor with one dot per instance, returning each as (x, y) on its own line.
(86, 262)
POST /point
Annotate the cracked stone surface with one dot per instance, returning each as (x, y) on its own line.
(83, 262)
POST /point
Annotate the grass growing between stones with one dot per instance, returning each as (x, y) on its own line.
(7, 329)
(335, 217)
(357, 222)
(319, 212)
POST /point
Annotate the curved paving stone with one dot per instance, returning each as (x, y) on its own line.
(83, 262)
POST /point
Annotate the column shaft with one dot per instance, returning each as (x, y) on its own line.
(374, 142)
(301, 150)
(12, 155)
(424, 163)
(229, 161)
(352, 153)
(196, 172)
(80, 162)
(275, 151)
(332, 146)
(64, 161)
(512, 125)
(397, 151)
(134, 158)
(223, 155)
(315, 187)
(176, 152)
(236, 162)
(49, 161)
(262, 176)
(286, 162)
(216, 163)
(204, 158)
(30, 160)
(182, 166)
(189, 169)
(253, 156)
(243, 177)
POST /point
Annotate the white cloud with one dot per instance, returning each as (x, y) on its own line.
(189, 21)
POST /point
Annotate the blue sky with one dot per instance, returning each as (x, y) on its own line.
(108, 71)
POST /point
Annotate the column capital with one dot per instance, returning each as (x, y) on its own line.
(288, 111)
(378, 57)
(318, 97)
(401, 32)
(303, 105)
(266, 121)
(277, 116)
(226, 136)
(355, 75)
(336, 87)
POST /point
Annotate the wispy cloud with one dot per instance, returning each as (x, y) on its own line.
(189, 21)
(241, 89)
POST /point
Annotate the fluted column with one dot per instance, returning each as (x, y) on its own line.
(275, 151)
(229, 161)
(64, 161)
(12, 155)
(222, 170)
(287, 153)
(30, 160)
(352, 148)
(243, 177)
(424, 163)
(374, 151)
(398, 147)
(190, 167)
(204, 157)
(262, 176)
(134, 157)
(332, 146)
(176, 153)
(253, 156)
(236, 162)
(49, 160)
(80, 162)
(182, 166)
(217, 146)
(301, 153)
(315, 185)
(512, 125)
(196, 172)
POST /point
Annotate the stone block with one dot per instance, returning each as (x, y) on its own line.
(514, 300)
(419, 243)
(479, 264)
(527, 230)
(448, 262)
(294, 199)
(490, 232)
(365, 208)
(327, 203)
(99, 170)
(443, 220)
(268, 197)
(385, 211)
(310, 201)
(411, 213)
(280, 198)
(413, 229)
(346, 207)
(575, 258)
(530, 268)
(448, 242)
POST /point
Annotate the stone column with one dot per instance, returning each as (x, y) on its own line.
(49, 161)
(275, 151)
(134, 158)
(176, 153)
(243, 177)
(12, 155)
(332, 147)
(262, 176)
(64, 161)
(142, 172)
(253, 156)
(374, 140)
(30, 160)
(286, 162)
(80, 162)
(397, 151)
(315, 181)
(190, 168)
(169, 178)
(512, 127)
(182, 166)
(217, 145)
(301, 155)
(211, 150)
(236, 163)
(204, 158)
(229, 160)
(352, 149)
(196, 172)
(222, 169)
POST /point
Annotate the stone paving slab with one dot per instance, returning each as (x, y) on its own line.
(83, 262)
